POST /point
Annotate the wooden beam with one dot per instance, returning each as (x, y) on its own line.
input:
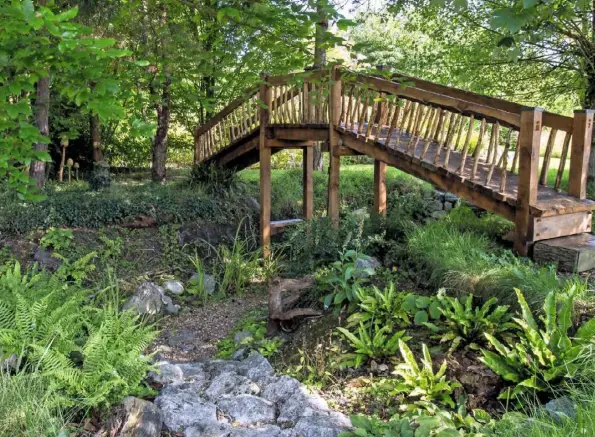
(265, 170)
(275, 143)
(580, 153)
(305, 133)
(380, 187)
(279, 226)
(528, 143)
(333, 139)
(308, 183)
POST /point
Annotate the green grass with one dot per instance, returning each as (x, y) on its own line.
(27, 407)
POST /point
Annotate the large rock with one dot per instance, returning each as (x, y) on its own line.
(183, 407)
(248, 409)
(166, 373)
(268, 431)
(257, 368)
(281, 390)
(45, 259)
(208, 282)
(173, 287)
(143, 418)
(562, 409)
(208, 430)
(300, 404)
(206, 233)
(229, 383)
(150, 299)
(322, 425)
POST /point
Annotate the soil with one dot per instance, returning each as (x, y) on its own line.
(193, 335)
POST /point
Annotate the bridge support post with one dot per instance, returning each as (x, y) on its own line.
(528, 143)
(580, 153)
(265, 170)
(380, 187)
(335, 158)
(308, 183)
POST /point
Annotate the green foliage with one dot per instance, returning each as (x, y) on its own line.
(81, 208)
(236, 267)
(344, 279)
(255, 322)
(371, 342)
(196, 285)
(546, 354)
(420, 309)
(424, 424)
(89, 352)
(28, 407)
(214, 180)
(464, 324)
(100, 176)
(470, 263)
(57, 239)
(78, 270)
(378, 307)
(421, 383)
(466, 220)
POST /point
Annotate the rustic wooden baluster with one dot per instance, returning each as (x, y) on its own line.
(349, 107)
(466, 144)
(430, 133)
(444, 138)
(438, 129)
(343, 105)
(562, 164)
(547, 157)
(363, 115)
(457, 122)
(304, 103)
(482, 129)
(406, 115)
(491, 146)
(358, 109)
(393, 123)
(429, 111)
(515, 159)
(409, 128)
(386, 105)
(372, 120)
(460, 133)
(416, 127)
(496, 136)
(430, 121)
(504, 162)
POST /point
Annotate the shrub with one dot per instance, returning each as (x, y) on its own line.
(254, 323)
(371, 342)
(544, 355)
(214, 179)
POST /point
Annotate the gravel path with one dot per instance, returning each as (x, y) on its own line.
(193, 334)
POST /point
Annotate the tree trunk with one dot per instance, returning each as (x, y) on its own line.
(589, 102)
(96, 138)
(42, 112)
(320, 62)
(160, 139)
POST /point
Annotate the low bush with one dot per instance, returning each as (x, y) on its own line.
(81, 208)
(546, 354)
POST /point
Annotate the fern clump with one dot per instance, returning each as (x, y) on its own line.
(89, 355)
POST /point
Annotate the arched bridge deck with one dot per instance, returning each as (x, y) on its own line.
(494, 153)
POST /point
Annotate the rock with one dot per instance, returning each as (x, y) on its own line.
(148, 298)
(170, 307)
(435, 205)
(256, 367)
(208, 282)
(561, 409)
(205, 233)
(363, 263)
(208, 430)
(251, 203)
(268, 431)
(448, 206)
(240, 337)
(182, 407)
(143, 418)
(166, 373)
(247, 409)
(451, 198)
(438, 214)
(281, 390)
(229, 383)
(174, 287)
(240, 354)
(10, 363)
(45, 259)
(182, 336)
(300, 404)
(193, 372)
(322, 425)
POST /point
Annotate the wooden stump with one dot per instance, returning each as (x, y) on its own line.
(281, 308)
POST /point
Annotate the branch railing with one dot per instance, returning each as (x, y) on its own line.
(476, 137)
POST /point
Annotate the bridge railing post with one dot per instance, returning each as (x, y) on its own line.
(528, 143)
(335, 159)
(265, 168)
(580, 153)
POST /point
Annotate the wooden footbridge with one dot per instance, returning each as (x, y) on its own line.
(483, 149)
